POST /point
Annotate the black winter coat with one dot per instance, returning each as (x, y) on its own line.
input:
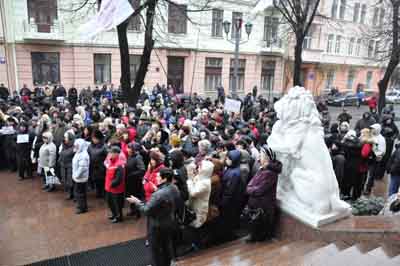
(352, 151)
(65, 163)
(393, 165)
(98, 154)
(135, 170)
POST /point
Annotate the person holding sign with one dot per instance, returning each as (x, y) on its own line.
(24, 146)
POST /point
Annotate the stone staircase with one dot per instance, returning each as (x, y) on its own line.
(296, 253)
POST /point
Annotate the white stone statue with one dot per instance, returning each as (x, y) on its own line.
(307, 187)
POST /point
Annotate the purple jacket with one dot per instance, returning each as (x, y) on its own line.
(262, 187)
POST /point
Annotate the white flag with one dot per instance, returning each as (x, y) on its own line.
(111, 14)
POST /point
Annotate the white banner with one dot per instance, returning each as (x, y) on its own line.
(111, 14)
(232, 106)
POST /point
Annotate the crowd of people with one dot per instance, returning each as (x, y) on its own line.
(184, 162)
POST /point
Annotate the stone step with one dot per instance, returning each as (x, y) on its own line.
(366, 247)
(379, 253)
(396, 260)
(392, 250)
(319, 256)
(280, 255)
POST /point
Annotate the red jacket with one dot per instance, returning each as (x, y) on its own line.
(365, 153)
(132, 133)
(150, 177)
(372, 103)
(115, 180)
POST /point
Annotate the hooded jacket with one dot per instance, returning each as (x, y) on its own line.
(47, 152)
(379, 148)
(65, 159)
(80, 162)
(199, 193)
(262, 187)
(232, 186)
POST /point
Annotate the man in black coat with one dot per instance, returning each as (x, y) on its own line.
(23, 149)
(365, 122)
(98, 152)
(160, 211)
(4, 93)
(135, 170)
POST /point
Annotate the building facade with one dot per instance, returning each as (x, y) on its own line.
(41, 45)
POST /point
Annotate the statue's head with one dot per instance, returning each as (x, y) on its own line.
(297, 104)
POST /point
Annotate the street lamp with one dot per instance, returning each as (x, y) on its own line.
(236, 40)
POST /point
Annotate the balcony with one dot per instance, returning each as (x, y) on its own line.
(272, 46)
(43, 32)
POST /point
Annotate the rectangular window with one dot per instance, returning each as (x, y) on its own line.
(134, 22)
(382, 17)
(377, 49)
(236, 16)
(351, 46)
(45, 68)
(329, 48)
(358, 47)
(177, 19)
(375, 17)
(330, 77)
(43, 13)
(213, 74)
(134, 63)
(217, 19)
(371, 48)
(338, 44)
(102, 68)
(363, 13)
(350, 79)
(271, 25)
(356, 13)
(267, 76)
(369, 80)
(342, 11)
(334, 8)
(241, 71)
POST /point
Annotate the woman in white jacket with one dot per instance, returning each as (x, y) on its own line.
(47, 158)
(80, 174)
(199, 193)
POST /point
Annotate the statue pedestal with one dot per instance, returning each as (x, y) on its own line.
(302, 213)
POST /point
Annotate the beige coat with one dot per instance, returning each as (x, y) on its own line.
(199, 192)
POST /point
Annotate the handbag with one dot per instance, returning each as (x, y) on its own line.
(188, 216)
(51, 178)
(251, 215)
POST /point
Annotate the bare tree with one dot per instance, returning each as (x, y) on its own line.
(299, 15)
(132, 93)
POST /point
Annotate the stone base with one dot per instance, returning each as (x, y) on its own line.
(298, 211)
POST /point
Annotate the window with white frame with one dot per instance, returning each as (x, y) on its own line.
(371, 45)
(134, 63)
(375, 16)
(358, 47)
(329, 48)
(334, 8)
(338, 44)
(307, 43)
(271, 25)
(102, 68)
(363, 13)
(382, 17)
(177, 18)
(134, 22)
(217, 19)
(368, 80)
(235, 17)
(267, 75)
(213, 74)
(351, 46)
(330, 77)
(241, 76)
(45, 68)
(342, 9)
(350, 79)
(356, 12)
(377, 49)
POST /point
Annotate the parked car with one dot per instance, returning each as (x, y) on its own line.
(393, 97)
(346, 99)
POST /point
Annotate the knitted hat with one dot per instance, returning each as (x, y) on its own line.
(175, 140)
